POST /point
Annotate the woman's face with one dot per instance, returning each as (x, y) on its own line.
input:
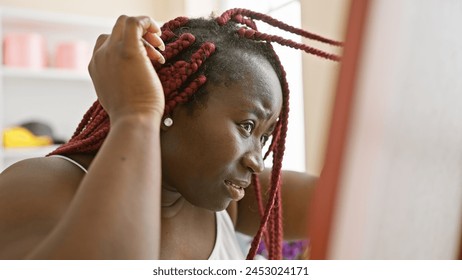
(208, 156)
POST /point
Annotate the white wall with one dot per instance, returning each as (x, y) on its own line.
(401, 192)
(326, 18)
(159, 9)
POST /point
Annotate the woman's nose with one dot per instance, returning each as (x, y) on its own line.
(253, 160)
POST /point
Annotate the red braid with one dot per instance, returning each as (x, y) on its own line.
(175, 76)
(253, 34)
(182, 79)
(90, 133)
(240, 13)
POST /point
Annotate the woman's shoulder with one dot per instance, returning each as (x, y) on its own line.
(34, 193)
(40, 175)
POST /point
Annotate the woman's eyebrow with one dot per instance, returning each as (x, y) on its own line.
(258, 111)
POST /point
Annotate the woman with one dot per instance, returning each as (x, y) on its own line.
(159, 165)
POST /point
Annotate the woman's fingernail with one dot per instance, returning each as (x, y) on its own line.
(161, 60)
(161, 47)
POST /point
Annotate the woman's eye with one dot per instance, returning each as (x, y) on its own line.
(264, 139)
(248, 127)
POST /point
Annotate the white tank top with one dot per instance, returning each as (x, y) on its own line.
(226, 244)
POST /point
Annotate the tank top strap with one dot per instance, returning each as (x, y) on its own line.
(71, 161)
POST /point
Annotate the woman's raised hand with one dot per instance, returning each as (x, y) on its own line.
(121, 69)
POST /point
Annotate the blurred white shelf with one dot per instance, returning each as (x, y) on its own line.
(27, 152)
(46, 73)
(55, 96)
(52, 21)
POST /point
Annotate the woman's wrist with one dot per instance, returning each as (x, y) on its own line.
(148, 121)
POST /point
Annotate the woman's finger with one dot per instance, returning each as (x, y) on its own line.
(154, 40)
(153, 54)
(100, 41)
(137, 27)
(154, 27)
(118, 29)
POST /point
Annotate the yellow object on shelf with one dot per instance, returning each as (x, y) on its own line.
(16, 137)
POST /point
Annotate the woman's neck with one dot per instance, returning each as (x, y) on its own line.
(172, 202)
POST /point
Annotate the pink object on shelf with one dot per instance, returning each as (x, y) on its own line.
(73, 55)
(26, 50)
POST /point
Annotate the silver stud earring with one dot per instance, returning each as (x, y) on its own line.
(168, 122)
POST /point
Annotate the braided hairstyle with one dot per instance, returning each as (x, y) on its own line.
(203, 50)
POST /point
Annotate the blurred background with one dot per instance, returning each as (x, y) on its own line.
(51, 91)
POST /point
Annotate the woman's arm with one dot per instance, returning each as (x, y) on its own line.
(297, 190)
(115, 213)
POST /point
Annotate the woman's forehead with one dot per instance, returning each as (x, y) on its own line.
(257, 96)
(263, 83)
(254, 84)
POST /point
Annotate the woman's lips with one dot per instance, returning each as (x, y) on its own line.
(236, 192)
